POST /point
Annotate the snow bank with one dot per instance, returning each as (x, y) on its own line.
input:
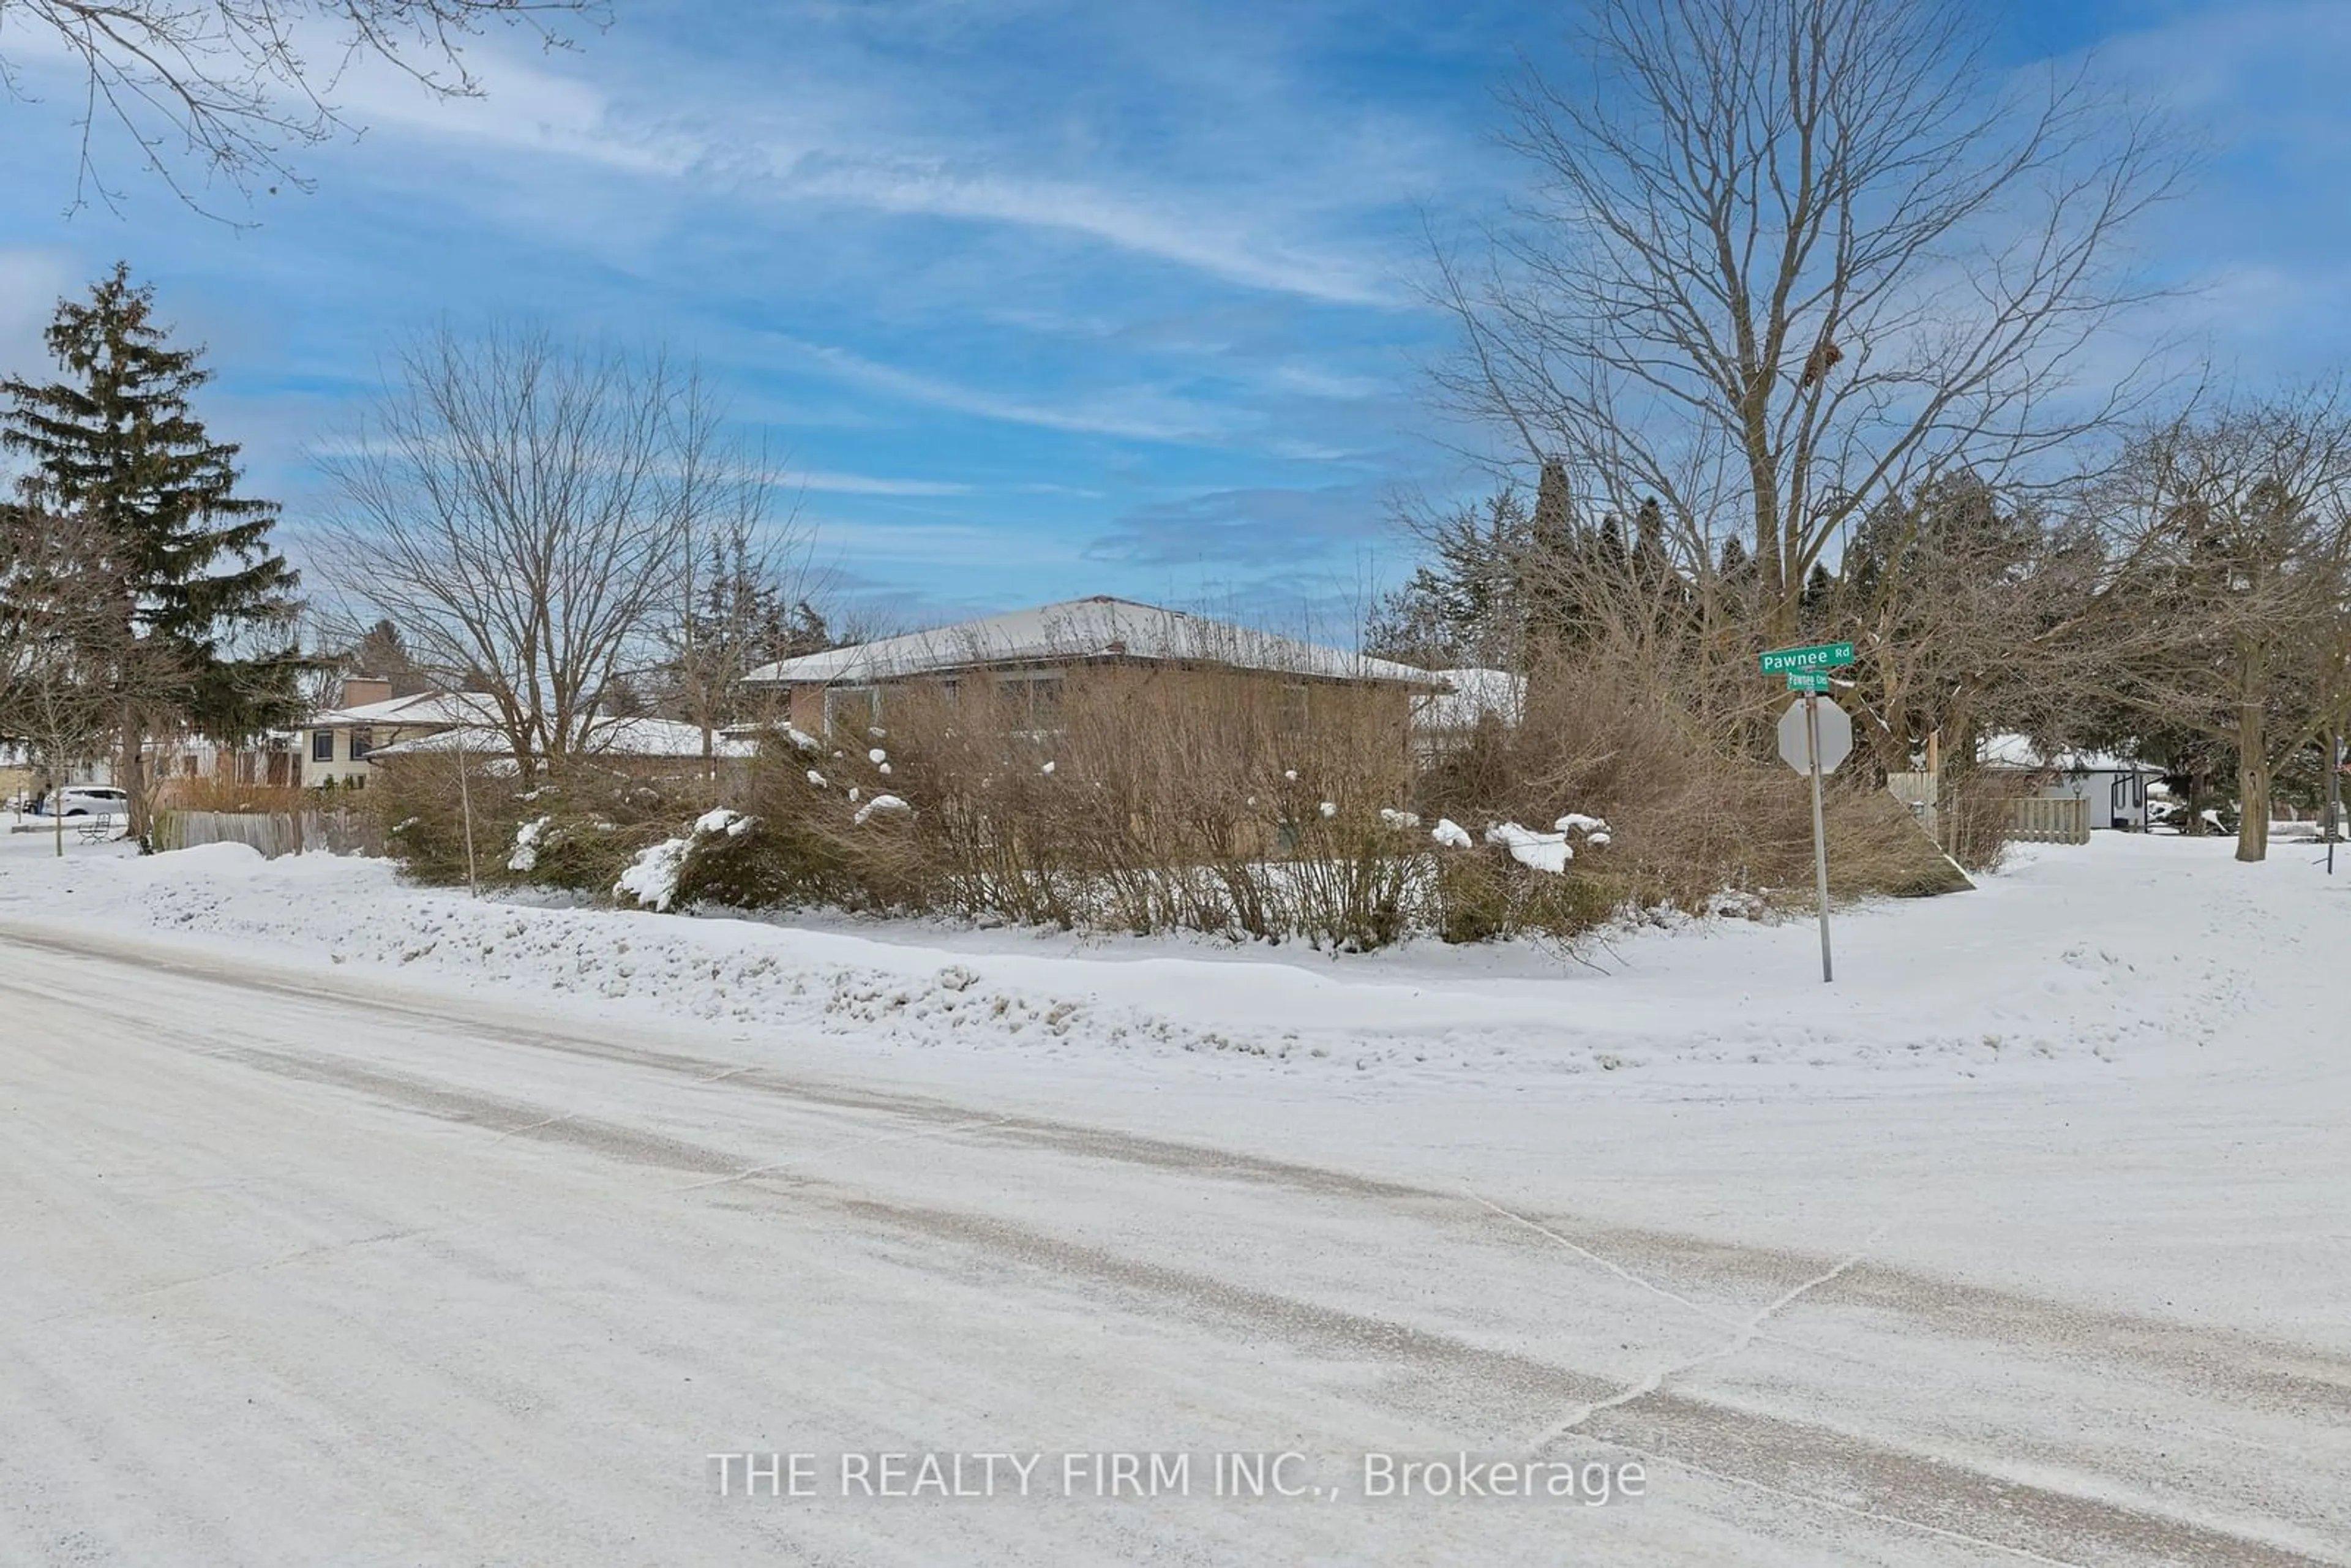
(2077, 959)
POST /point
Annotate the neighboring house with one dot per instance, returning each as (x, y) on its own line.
(20, 775)
(271, 761)
(2116, 788)
(651, 747)
(16, 776)
(1443, 721)
(336, 748)
(1032, 659)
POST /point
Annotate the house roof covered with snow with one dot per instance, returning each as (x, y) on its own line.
(429, 710)
(2022, 752)
(610, 737)
(1078, 631)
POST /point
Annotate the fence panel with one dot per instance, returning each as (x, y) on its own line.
(274, 834)
(2063, 820)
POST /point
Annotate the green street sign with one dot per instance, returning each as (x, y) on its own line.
(1819, 656)
(1808, 680)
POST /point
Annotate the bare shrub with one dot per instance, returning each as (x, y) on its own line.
(1159, 797)
(210, 792)
(1153, 797)
(1692, 812)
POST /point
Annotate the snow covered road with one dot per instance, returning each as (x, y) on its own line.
(305, 1267)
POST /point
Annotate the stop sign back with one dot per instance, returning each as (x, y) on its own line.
(1836, 735)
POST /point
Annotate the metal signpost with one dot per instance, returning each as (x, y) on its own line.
(1815, 735)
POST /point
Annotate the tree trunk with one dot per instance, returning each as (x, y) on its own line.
(2252, 787)
(134, 782)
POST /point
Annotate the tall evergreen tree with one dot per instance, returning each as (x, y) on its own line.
(1468, 604)
(189, 574)
(382, 654)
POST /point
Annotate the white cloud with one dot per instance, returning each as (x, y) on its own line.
(1142, 415)
(848, 151)
(523, 108)
(869, 484)
(1163, 227)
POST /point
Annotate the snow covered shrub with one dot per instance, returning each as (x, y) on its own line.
(577, 831)
(583, 851)
(766, 863)
(1484, 895)
(422, 796)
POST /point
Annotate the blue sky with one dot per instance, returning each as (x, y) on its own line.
(1042, 299)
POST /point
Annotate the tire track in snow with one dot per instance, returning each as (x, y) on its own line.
(1743, 1336)
(1428, 1376)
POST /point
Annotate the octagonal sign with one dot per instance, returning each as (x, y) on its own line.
(1836, 735)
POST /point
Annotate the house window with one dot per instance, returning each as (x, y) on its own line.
(853, 707)
(1032, 702)
(323, 746)
(362, 742)
(1290, 717)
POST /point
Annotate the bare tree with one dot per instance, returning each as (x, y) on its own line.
(235, 85)
(748, 598)
(526, 513)
(1970, 610)
(1788, 258)
(70, 667)
(2230, 606)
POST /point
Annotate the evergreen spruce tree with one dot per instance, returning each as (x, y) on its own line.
(189, 574)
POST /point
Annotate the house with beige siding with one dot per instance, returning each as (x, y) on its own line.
(335, 747)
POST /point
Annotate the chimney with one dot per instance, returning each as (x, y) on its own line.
(360, 690)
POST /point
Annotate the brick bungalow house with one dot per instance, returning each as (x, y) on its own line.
(1031, 663)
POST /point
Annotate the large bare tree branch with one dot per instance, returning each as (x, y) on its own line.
(237, 88)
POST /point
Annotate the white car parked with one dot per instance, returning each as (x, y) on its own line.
(89, 801)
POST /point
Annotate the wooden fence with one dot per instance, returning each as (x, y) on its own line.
(274, 834)
(2063, 820)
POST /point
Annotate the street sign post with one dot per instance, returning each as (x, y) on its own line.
(1815, 735)
(1808, 680)
(1817, 656)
